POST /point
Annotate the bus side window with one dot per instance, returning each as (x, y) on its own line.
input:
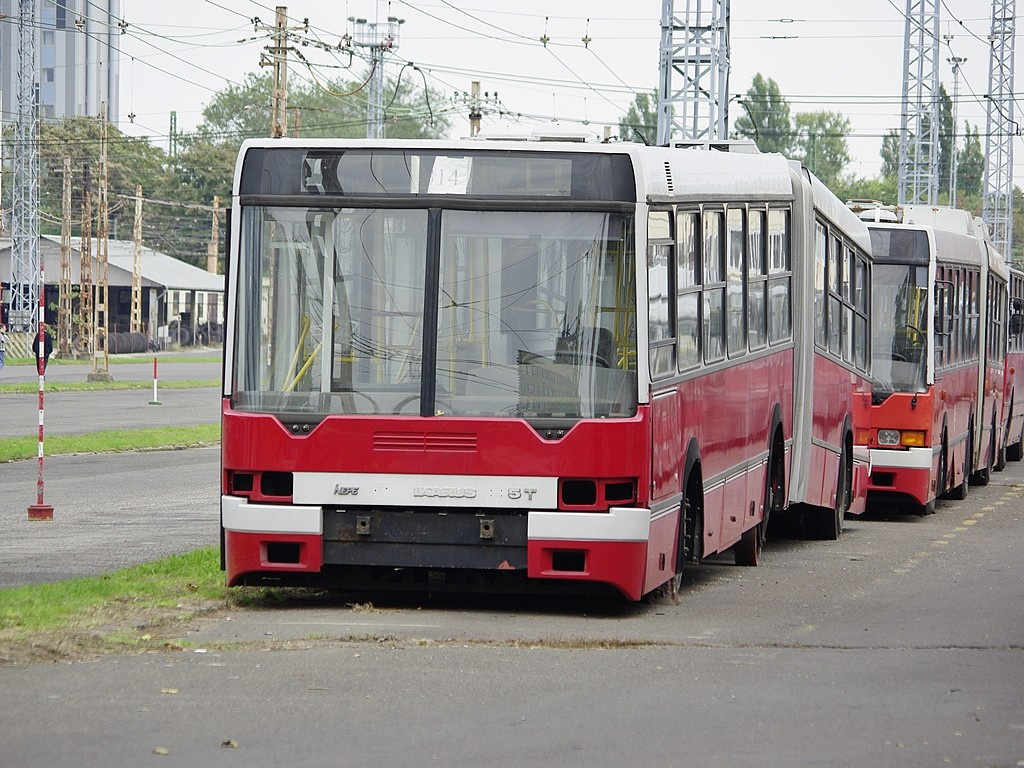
(661, 333)
(688, 287)
(736, 322)
(757, 281)
(780, 317)
(714, 286)
(820, 286)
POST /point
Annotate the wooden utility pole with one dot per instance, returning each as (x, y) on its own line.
(136, 317)
(64, 286)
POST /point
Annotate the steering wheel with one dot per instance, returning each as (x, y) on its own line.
(415, 398)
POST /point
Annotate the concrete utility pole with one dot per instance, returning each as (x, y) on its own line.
(101, 354)
(136, 316)
(693, 87)
(476, 104)
(25, 284)
(918, 180)
(955, 61)
(1001, 129)
(213, 247)
(279, 92)
(378, 37)
(278, 59)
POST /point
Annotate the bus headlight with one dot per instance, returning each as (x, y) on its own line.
(888, 437)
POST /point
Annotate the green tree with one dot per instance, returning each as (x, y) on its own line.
(890, 154)
(947, 143)
(640, 123)
(767, 117)
(821, 144)
(970, 164)
(130, 161)
(325, 109)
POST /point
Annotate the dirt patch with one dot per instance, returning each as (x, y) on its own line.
(123, 628)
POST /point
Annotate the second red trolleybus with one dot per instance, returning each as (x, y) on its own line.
(940, 303)
(470, 364)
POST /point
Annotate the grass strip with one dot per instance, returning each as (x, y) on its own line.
(31, 388)
(93, 601)
(111, 441)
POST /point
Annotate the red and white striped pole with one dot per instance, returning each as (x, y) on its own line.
(40, 510)
(154, 401)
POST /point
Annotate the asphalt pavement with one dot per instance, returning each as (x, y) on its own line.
(81, 412)
(110, 511)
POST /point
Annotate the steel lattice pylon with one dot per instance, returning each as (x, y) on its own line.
(997, 210)
(379, 38)
(25, 284)
(696, 107)
(919, 124)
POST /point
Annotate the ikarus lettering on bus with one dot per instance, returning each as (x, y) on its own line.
(426, 491)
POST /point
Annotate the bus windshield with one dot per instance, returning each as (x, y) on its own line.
(418, 311)
(900, 328)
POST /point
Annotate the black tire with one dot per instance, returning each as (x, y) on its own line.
(984, 475)
(959, 493)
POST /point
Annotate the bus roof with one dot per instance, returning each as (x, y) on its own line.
(662, 173)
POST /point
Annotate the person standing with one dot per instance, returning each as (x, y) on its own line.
(3, 345)
(47, 346)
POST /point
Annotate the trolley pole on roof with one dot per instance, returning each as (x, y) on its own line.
(693, 69)
(997, 208)
(918, 180)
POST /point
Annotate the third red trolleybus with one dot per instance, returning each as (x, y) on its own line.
(470, 364)
(1013, 388)
(938, 336)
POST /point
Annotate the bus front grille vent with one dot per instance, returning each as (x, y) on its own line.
(668, 177)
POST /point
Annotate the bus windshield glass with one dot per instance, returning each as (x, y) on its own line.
(900, 327)
(430, 312)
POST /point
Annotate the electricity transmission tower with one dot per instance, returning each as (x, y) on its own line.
(378, 37)
(25, 282)
(918, 180)
(693, 87)
(997, 208)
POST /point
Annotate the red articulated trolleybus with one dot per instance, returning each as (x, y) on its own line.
(1013, 388)
(940, 304)
(501, 364)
